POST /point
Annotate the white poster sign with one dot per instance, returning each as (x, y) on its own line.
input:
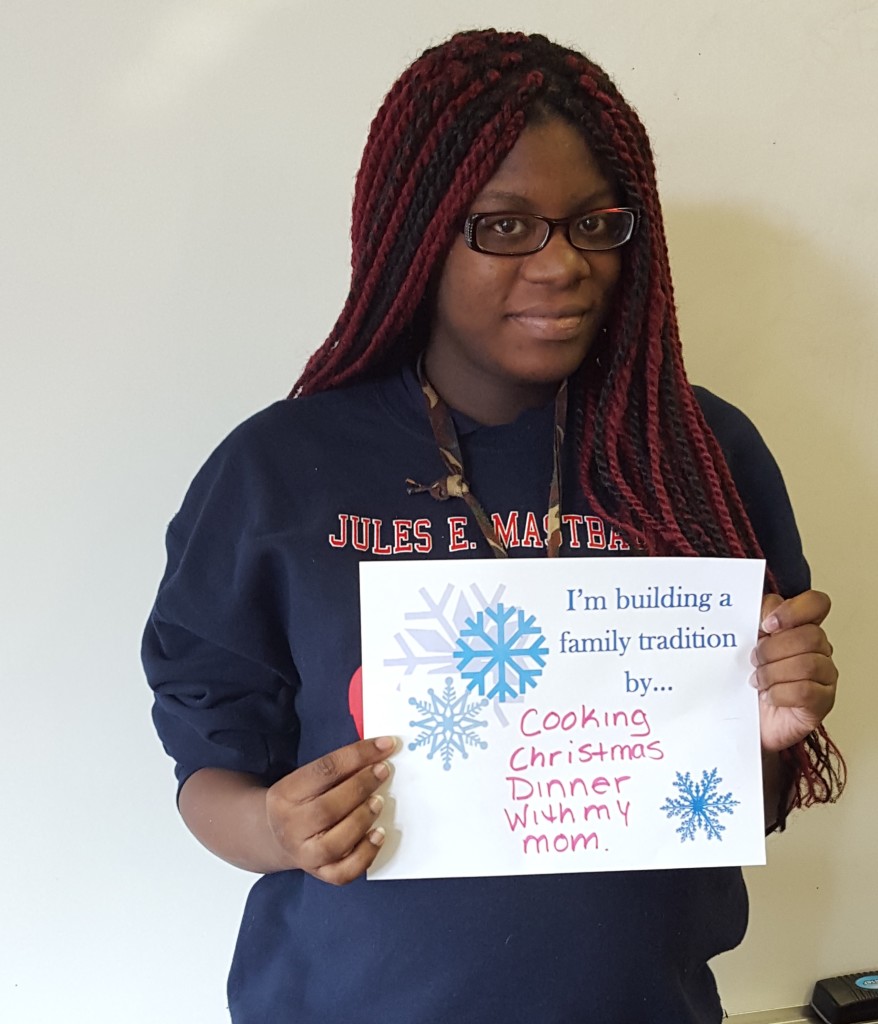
(558, 715)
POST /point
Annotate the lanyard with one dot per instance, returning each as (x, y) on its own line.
(455, 485)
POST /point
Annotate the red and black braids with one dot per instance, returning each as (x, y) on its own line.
(649, 463)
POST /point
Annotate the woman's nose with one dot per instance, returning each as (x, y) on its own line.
(557, 262)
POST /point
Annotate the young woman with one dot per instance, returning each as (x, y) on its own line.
(509, 345)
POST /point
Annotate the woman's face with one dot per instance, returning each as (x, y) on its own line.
(507, 330)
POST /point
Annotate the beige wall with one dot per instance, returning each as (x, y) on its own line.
(174, 226)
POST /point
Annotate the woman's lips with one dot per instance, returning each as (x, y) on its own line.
(566, 324)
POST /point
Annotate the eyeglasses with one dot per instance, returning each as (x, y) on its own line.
(519, 234)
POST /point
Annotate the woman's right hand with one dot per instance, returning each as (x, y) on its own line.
(323, 814)
(319, 818)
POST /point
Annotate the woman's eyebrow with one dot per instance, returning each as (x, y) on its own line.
(494, 195)
(592, 201)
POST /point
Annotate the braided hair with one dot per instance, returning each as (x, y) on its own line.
(648, 462)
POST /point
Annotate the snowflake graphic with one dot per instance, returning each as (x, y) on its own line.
(431, 646)
(448, 724)
(498, 643)
(699, 805)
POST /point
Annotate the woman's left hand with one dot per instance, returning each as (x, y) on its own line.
(795, 674)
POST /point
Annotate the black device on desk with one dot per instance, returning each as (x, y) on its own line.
(847, 999)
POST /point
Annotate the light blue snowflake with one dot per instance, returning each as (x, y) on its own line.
(699, 805)
(427, 644)
(497, 644)
(448, 724)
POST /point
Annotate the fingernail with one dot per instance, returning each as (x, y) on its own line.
(385, 742)
(770, 624)
(376, 803)
(754, 661)
(381, 771)
(376, 836)
(764, 696)
(753, 681)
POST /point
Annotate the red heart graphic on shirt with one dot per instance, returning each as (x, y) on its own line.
(355, 699)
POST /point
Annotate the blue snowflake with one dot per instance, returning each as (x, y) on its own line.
(448, 724)
(699, 805)
(505, 642)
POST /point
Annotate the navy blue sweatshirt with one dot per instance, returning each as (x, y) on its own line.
(251, 649)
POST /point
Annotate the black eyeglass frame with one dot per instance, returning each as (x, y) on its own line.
(471, 222)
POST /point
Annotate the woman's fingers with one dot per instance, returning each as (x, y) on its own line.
(323, 812)
(328, 771)
(799, 640)
(795, 674)
(336, 844)
(811, 606)
(355, 863)
(814, 699)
